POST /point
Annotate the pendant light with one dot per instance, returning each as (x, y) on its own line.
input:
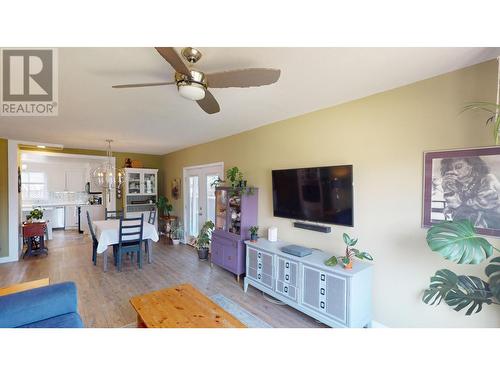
(107, 176)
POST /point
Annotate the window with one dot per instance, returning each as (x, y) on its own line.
(33, 186)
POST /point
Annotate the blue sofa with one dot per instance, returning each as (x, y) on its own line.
(52, 306)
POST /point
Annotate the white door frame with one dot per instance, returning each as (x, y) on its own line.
(185, 171)
(15, 241)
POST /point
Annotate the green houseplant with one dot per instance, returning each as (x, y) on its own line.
(35, 214)
(164, 206)
(458, 242)
(176, 232)
(350, 254)
(254, 233)
(203, 240)
(492, 109)
(235, 176)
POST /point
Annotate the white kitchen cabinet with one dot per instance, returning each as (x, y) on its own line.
(59, 180)
(71, 217)
(75, 180)
(56, 180)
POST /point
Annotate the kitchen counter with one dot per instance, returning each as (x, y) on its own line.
(64, 204)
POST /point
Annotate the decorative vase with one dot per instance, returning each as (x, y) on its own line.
(203, 254)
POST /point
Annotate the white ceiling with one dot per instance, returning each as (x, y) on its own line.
(156, 120)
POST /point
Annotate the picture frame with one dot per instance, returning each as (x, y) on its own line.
(463, 184)
(176, 188)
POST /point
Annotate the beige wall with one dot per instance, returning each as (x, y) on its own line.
(384, 137)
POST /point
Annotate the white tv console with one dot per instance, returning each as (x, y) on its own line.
(332, 295)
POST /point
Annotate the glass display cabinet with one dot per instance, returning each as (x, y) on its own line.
(140, 191)
(235, 213)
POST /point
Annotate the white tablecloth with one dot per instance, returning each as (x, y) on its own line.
(107, 233)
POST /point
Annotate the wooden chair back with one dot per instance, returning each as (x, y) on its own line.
(91, 228)
(112, 214)
(131, 231)
(152, 216)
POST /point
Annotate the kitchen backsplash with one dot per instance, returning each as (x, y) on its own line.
(63, 197)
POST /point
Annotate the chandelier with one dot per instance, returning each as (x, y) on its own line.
(107, 175)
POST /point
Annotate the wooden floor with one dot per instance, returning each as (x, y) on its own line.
(103, 298)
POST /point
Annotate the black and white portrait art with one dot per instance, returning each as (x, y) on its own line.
(463, 184)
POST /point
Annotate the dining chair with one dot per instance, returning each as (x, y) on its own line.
(94, 239)
(112, 214)
(152, 216)
(130, 240)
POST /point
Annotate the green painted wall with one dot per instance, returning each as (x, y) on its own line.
(4, 200)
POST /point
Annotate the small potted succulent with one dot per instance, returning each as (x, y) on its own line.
(35, 215)
(203, 240)
(254, 233)
(350, 254)
(176, 232)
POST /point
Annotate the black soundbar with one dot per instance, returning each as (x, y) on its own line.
(314, 227)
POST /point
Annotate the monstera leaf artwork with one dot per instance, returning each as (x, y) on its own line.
(457, 241)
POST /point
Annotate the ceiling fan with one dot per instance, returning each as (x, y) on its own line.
(193, 84)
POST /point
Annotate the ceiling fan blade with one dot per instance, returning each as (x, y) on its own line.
(169, 54)
(243, 78)
(142, 85)
(208, 103)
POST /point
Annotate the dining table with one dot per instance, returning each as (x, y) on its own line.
(108, 232)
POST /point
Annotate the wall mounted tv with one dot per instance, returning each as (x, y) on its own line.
(322, 194)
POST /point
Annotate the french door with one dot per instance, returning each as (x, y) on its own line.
(199, 196)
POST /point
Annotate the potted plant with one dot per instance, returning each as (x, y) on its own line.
(176, 232)
(35, 215)
(164, 206)
(254, 233)
(235, 176)
(350, 254)
(203, 240)
(458, 242)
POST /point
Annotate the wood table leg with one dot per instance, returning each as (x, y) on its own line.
(140, 322)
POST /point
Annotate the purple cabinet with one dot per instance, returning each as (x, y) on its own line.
(235, 213)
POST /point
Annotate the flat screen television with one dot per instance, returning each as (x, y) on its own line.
(321, 194)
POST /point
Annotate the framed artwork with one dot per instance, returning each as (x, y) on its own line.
(176, 188)
(463, 184)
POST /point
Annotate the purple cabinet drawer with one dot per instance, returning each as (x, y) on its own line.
(228, 253)
(231, 258)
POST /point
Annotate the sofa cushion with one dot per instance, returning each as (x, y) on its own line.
(23, 308)
(71, 320)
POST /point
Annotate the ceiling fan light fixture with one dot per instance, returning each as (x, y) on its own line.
(192, 91)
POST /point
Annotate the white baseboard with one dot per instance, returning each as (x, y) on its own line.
(377, 325)
(7, 260)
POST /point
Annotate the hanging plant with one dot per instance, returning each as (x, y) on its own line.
(492, 109)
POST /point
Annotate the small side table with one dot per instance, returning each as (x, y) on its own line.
(166, 225)
(34, 234)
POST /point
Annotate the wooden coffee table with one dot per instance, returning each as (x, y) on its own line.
(181, 306)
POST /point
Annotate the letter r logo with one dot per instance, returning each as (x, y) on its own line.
(27, 75)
